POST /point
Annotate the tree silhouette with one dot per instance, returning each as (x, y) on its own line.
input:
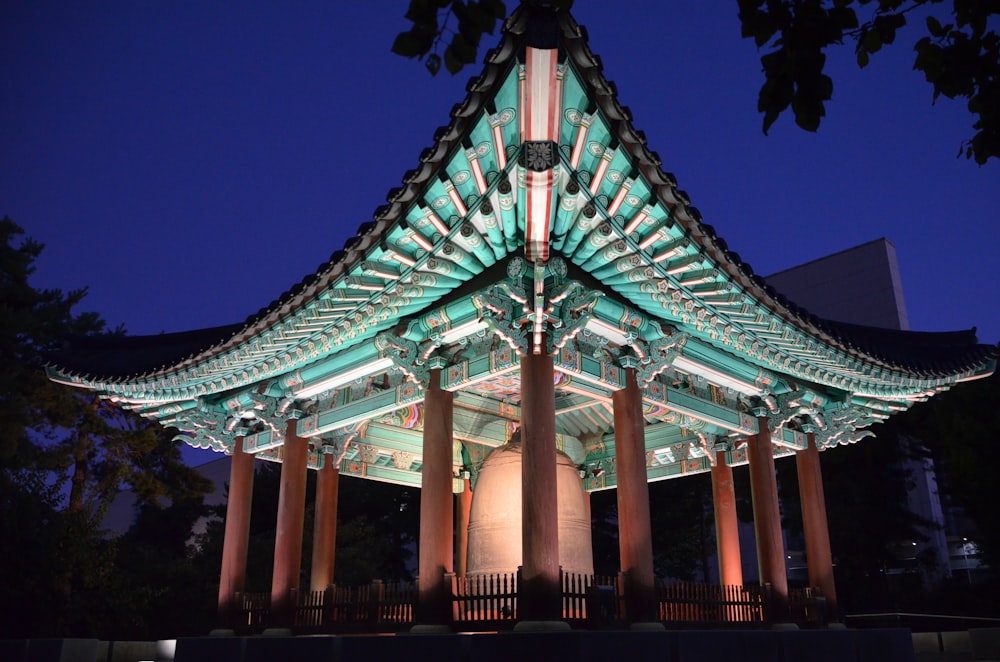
(959, 53)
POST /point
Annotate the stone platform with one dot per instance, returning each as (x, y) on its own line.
(891, 645)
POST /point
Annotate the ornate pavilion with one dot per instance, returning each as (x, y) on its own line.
(540, 272)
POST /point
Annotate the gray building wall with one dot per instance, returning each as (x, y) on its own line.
(860, 285)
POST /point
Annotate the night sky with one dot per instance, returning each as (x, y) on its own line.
(188, 161)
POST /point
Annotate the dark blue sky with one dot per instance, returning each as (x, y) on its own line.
(189, 160)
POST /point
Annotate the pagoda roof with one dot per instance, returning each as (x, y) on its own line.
(731, 308)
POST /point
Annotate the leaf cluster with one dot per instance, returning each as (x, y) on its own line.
(798, 33)
(63, 575)
(474, 18)
(962, 59)
(430, 19)
(959, 58)
(377, 533)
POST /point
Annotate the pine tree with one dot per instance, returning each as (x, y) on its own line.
(64, 455)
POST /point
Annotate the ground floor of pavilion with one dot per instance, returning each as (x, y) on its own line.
(538, 589)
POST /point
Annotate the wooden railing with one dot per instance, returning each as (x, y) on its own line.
(482, 600)
(396, 603)
(255, 610)
(378, 605)
(575, 589)
(691, 602)
(486, 602)
(808, 606)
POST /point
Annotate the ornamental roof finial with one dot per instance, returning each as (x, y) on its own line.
(539, 22)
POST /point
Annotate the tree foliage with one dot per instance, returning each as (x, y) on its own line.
(959, 55)
(378, 526)
(377, 529)
(64, 455)
(682, 525)
(431, 18)
(32, 322)
(961, 428)
(873, 529)
(173, 579)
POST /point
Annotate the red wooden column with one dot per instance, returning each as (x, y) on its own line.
(727, 530)
(288, 532)
(463, 506)
(540, 590)
(635, 539)
(435, 553)
(814, 525)
(237, 535)
(325, 525)
(767, 517)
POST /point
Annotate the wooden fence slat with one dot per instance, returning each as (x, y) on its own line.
(491, 600)
(694, 602)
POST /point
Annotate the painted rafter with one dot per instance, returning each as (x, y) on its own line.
(784, 347)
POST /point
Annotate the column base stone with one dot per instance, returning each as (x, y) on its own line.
(542, 626)
(426, 628)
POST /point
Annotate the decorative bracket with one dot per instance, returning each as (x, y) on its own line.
(268, 409)
(496, 310)
(521, 312)
(793, 405)
(660, 354)
(405, 356)
(207, 426)
(844, 425)
(335, 445)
